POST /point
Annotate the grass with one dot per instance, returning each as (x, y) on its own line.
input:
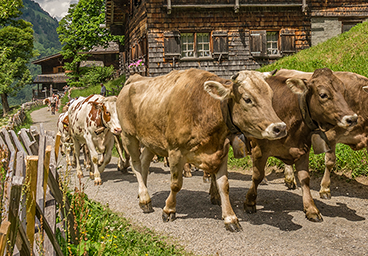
(346, 52)
(103, 232)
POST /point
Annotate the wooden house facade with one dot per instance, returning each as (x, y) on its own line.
(221, 36)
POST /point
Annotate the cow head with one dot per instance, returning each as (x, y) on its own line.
(249, 100)
(324, 100)
(109, 115)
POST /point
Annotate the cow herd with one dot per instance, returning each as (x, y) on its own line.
(194, 116)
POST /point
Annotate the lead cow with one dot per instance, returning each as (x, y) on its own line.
(356, 138)
(186, 115)
(93, 121)
(315, 104)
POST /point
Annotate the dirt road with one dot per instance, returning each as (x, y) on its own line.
(278, 228)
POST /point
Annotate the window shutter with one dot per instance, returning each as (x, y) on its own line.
(288, 42)
(220, 44)
(258, 43)
(172, 44)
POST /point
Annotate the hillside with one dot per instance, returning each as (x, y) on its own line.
(346, 52)
(46, 43)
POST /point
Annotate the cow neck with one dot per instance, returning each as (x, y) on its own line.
(227, 109)
(307, 119)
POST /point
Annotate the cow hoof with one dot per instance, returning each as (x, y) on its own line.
(168, 217)
(187, 174)
(290, 185)
(216, 201)
(166, 165)
(80, 175)
(233, 227)
(325, 195)
(206, 179)
(147, 208)
(92, 176)
(250, 208)
(314, 217)
(98, 182)
(122, 169)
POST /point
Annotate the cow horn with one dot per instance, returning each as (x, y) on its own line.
(235, 76)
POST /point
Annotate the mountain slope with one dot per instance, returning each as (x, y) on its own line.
(346, 52)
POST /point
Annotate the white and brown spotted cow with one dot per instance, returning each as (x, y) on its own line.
(63, 129)
(309, 107)
(188, 116)
(93, 121)
(356, 138)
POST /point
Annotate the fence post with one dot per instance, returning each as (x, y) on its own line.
(31, 182)
(15, 194)
(20, 170)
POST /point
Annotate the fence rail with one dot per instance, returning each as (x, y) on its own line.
(30, 193)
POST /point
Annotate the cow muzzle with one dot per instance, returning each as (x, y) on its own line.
(348, 121)
(275, 131)
(116, 131)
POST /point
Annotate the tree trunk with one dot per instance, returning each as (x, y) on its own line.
(4, 101)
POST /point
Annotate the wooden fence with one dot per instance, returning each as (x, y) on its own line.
(31, 192)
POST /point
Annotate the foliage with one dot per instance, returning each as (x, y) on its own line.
(346, 52)
(79, 31)
(9, 10)
(16, 49)
(95, 75)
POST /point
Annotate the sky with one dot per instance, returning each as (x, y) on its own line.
(56, 8)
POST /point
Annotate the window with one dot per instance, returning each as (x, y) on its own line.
(187, 45)
(201, 41)
(203, 45)
(272, 44)
(195, 45)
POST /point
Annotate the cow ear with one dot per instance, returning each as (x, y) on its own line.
(98, 105)
(296, 85)
(217, 90)
(365, 88)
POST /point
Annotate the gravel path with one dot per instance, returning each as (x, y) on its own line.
(278, 228)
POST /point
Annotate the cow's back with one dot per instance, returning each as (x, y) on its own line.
(170, 111)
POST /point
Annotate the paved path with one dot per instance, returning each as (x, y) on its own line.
(278, 228)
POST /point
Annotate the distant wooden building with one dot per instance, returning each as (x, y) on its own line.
(221, 36)
(53, 77)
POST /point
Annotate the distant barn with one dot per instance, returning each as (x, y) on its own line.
(223, 36)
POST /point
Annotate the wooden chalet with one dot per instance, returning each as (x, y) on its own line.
(53, 76)
(222, 36)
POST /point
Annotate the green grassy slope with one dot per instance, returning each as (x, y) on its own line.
(346, 52)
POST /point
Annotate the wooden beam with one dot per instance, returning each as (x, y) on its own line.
(15, 194)
(50, 216)
(31, 183)
(41, 172)
(4, 230)
(20, 170)
(17, 143)
(57, 145)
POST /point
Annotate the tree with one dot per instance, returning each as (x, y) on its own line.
(79, 31)
(16, 49)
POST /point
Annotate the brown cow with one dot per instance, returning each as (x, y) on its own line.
(356, 138)
(188, 117)
(318, 105)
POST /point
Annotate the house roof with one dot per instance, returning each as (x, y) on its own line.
(51, 78)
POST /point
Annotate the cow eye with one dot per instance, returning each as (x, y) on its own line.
(323, 95)
(107, 113)
(247, 100)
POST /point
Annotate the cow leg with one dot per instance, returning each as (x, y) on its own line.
(94, 158)
(228, 215)
(259, 164)
(146, 159)
(107, 158)
(310, 209)
(214, 193)
(67, 150)
(76, 158)
(87, 161)
(177, 162)
(330, 160)
(166, 162)
(290, 180)
(187, 172)
(132, 146)
(206, 177)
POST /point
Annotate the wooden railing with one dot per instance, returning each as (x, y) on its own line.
(31, 191)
